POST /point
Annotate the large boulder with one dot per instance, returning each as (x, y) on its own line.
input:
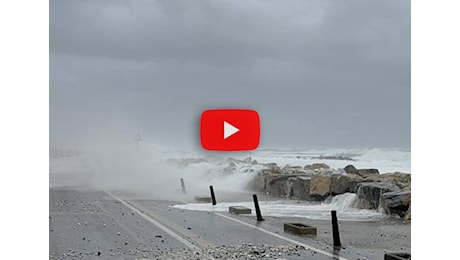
(368, 172)
(320, 186)
(292, 170)
(344, 183)
(319, 166)
(402, 180)
(407, 217)
(396, 202)
(270, 165)
(299, 187)
(278, 186)
(350, 169)
(260, 180)
(369, 193)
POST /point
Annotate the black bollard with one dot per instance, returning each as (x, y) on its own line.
(256, 205)
(335, 229)
(182, 184)
(213, 197)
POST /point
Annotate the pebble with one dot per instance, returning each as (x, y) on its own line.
(243, 251)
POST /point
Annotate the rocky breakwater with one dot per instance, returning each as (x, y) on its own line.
(389, 192)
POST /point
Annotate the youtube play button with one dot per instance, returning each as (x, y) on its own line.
(230, 129)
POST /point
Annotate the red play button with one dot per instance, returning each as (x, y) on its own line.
(230, 129)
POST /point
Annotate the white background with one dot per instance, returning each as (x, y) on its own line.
(24, 129)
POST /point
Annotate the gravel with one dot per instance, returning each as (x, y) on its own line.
(244, 251)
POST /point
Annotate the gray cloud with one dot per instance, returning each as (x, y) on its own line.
(320, 73)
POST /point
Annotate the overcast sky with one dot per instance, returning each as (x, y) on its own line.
(320, 73)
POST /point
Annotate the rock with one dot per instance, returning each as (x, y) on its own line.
(292, 170)
(299, 187)
(368, 172)
(368, 193)
(247, 160)
(407, 217)
(396, 202)
(278, 186)
(271, 165)
(276, 170)
(334, 157)
(344, 183)
(350, 169)
(254, 162)
(402, 180)
(187, 161)
(320, 186)
(232, 164)
(307, 167)
(261, 180)
(318, 166)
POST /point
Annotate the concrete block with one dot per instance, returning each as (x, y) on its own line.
(239, 210)
(299, 229)
(396, 256)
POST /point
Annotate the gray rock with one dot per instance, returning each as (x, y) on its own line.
(396, 202)
(369, 193)
(368, 172)
(350, 169)
(278, 186)
(271, 165)
(247, 160)
(318, 166)
(299, 187)
(260, 180)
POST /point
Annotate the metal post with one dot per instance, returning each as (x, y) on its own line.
(182, 184)
(213, 197)
(335, 229)
(256, 205)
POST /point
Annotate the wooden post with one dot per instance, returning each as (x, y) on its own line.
(256, 205)
(182, 184)
(335, 229)
(213, 197)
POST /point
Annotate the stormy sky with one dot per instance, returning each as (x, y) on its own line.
(320, 73)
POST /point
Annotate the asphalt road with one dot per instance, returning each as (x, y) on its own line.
(90, 223)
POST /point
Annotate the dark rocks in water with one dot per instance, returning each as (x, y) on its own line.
(184, 162)
(369, 193)
(334, 157)
(396, 202)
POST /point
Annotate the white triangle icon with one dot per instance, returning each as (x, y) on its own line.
(229, 130)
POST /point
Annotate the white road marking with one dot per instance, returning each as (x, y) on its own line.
(154, 222)
(282, 237)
